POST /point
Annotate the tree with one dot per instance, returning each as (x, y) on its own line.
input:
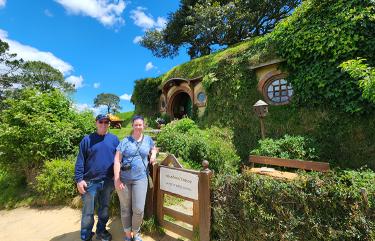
(37, 74)
(202, 24)
(110, 100)
(16, 74)
(37, 127)
(9, 67)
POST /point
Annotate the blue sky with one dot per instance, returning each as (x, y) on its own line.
(93, 42)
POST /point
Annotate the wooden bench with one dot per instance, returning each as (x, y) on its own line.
(274, 161)
(300, 164)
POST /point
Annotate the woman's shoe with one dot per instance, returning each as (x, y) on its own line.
(128, 239)
(137, 237)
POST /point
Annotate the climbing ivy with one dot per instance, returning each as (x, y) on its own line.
(318, 37)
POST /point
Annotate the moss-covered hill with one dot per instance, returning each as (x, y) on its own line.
(327, 104)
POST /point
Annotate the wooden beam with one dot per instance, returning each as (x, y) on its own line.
(182, 169)
(178, 229)
(159, 205)
(178, 215)
(178, 196)
(306, 165)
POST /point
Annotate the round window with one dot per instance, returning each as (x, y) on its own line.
(201, 97)
(279, 91)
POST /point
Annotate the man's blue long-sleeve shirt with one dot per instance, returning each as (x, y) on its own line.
(95, 157)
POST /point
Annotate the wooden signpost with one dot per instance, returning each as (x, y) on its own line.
(170, 178)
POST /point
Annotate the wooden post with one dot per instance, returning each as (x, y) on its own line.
(204, 202)
(159, 197)
(151, 197)
(262, 131)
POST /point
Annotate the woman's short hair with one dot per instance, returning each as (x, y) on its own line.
(137, 117)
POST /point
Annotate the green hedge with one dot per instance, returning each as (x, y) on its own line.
(55, 184)
(184, 139)
(288, 147)
(315, 207)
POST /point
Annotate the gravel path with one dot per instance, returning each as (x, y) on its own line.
(54, 224)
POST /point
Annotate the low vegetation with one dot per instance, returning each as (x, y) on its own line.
(314, 207)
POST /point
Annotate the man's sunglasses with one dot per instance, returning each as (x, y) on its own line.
(104, 122)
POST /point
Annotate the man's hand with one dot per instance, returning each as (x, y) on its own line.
(118, 184)
(81, 186)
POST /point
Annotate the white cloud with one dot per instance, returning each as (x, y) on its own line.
(141, 19)
(107, 12)
(149, 66)
(96, 85)
(29, 53)
(126, 97)
(77, 81)
(2, 3)
(48, 13)
(137, 39)
(85, 107)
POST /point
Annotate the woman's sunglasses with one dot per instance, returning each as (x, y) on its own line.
(104, 122)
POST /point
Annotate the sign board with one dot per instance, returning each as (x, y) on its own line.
(179, 182)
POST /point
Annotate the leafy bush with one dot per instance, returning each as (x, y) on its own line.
(37, 127)
(184, 139)
(12, 188)
(289, 147)
(366, 75)
(56, 183)
(315, 207)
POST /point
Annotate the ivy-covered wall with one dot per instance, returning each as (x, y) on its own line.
(327, 105)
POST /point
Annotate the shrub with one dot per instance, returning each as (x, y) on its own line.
(184, 139)
(56, 183)
(12, 188)
(37, 127)
(358, 69)
(315, 207)
(289, 147)
(221, 151)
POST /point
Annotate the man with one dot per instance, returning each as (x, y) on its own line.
(94, 178)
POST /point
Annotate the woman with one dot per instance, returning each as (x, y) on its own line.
(130, 177)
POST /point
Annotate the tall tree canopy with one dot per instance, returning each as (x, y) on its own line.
(9, 67)
(110, 100)
(16, 73)
(42, 76)
(202, 24)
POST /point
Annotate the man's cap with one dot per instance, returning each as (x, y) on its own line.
(102, 117)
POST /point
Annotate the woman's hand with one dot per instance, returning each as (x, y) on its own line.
(119, 185)
(154, 150)
(152, 159)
